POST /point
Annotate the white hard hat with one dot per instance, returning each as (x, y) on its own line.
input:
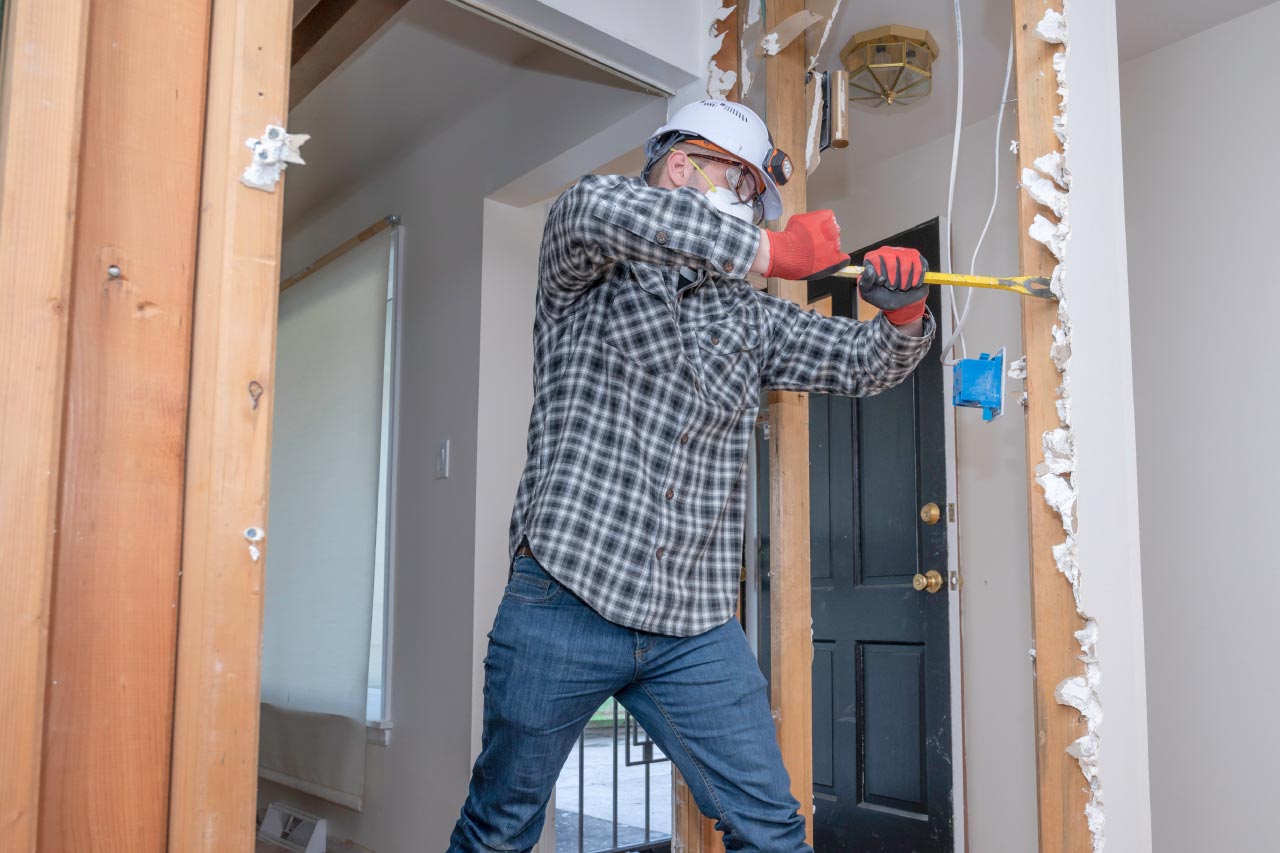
(734, 128)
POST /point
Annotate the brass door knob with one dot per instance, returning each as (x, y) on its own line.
(930, 513)
(929, 582)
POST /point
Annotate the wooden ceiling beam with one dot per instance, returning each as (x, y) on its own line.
(330, 33)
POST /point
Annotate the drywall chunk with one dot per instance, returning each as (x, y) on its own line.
(813, 139)
(1060, 350)
(1054, 236)
(1054, 165)
(746, 70)
(1013, 145)
(1076, 692)
(272, 154)
(1045, 192)
(1059, 494)
(1059, 451)
(719, 83)
(754, 8)
(1018, 369)
(1052, 27)
(786, 31)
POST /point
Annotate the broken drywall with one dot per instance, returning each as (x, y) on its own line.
(813, 39)
(1048, 181)
(720, 81)
(272, 154)
(774, 41)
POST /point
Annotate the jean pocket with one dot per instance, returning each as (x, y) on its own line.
(530, 583)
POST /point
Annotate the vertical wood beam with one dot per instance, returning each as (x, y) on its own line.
(691, 831)
(1061, 790)
(215, 746)
(108, 719)
(791, 620)
(40, 111)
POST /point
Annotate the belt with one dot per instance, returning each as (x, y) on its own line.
(523, 551)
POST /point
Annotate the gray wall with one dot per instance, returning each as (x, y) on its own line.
(872, 204)
(417, 783)
(1198, 193)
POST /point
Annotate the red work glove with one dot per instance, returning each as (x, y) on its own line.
(893, 281)
(809, 247)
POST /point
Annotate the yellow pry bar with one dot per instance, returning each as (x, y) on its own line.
(1027, 285)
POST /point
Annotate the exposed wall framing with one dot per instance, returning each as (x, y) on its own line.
(40, 121)
(790, 614)
(108, 715)
(1062, 793)
(215, 741)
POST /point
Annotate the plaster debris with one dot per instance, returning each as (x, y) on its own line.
(272, 154)
(1053, 27)
(1045, 191)
(1052, 235)
(745, 67)
(754, 8)
(1059, 494)
(787, 30)
(1013, 145)
(719, 83)
(1018, 369)
(1059, 451)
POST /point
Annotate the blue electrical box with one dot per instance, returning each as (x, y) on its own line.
(978, 383)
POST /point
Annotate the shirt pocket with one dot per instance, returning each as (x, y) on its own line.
(640, 326)
(729, 349)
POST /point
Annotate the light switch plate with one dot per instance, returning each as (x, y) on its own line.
(442, 460)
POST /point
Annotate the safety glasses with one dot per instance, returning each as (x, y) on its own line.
(742, 181)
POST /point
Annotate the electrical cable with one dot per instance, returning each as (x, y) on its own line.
(955, 158)
(958, 331)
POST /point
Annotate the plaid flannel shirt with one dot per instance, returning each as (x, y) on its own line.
(646, 388)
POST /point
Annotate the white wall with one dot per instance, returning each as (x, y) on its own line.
(1201, 226)
(417, 784)
(991, 480)
(1103, 420)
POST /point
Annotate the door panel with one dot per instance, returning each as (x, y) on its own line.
(881, 667)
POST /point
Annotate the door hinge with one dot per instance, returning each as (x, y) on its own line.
(953, 578)
(951, 512)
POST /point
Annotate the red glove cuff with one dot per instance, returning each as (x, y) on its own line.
(906, 314)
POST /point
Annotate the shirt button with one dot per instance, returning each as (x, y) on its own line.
(715, 340)
(661, 237)
(671, 493)
(661, 551)
(684, 439)
(728, 266)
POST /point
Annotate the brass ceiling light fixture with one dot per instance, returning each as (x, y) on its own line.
(890, 65)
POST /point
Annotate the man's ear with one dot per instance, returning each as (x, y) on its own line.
(678, 167)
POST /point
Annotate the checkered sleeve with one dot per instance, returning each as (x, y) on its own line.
(805, 351)
(604, 219)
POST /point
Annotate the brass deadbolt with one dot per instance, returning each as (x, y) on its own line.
(929, 582)
(930, 513)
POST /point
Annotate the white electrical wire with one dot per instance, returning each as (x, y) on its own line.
(947, 346)
(957, 332)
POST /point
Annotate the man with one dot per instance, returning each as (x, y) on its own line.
(650, 354)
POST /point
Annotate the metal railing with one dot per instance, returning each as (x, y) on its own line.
(595, 833)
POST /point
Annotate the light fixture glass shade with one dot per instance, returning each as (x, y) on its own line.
(890, 65)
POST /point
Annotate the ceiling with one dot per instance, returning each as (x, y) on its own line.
(380, 100)
(1142, 26)
(435, 59)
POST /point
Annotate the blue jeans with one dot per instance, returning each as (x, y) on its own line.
(553, 661)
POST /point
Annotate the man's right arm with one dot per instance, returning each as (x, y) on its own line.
(604, 219)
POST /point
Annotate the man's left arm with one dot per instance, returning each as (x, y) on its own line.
(805, 351)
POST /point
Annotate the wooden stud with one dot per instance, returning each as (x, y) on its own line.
(108, 717)
(790, 627)
(215, 742)
(329, 34)
(40, 111)
(1061, 790)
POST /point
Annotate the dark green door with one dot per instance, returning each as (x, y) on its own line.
(881, 665)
